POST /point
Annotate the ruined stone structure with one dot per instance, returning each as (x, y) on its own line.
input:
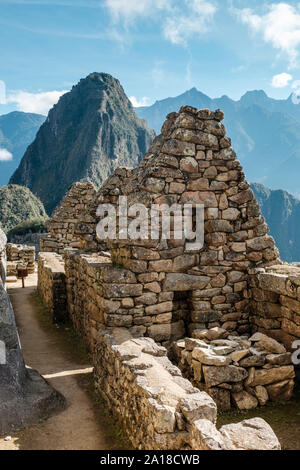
(25, 396)
(275, 303)
(70, 222)
(164, 290)
(178, 291)
(237, 370)
(20, 255)
(158, 408)
(52, 285)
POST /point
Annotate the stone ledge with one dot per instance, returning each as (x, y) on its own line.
(156, 406)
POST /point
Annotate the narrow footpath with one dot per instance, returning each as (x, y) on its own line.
(85, 423)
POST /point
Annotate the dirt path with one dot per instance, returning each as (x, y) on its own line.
(51, 350)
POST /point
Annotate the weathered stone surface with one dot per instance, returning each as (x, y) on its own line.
(281, 391)
(244, 401)
(207, 357)
(269, 376)
(198, 406)
(206, 433)
(279, 359)
(217, 375)
(261, 394)
(266, 343)
(184, 282)
(251, 434)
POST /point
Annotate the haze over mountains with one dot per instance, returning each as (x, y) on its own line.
(265, 133)
(91, 130)
(282, 213)
(17, 131)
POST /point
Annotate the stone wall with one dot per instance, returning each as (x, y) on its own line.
(20, 255)
(31, 239)
(237, 371)
(275, 302)
(179, 289)
(25, 396)
(69, 225)
(101, 294)
(192, 161)
(157, 407)
(52, 285)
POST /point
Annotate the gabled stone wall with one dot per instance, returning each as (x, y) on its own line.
(182, 290)
(192, 161)
(70, 222)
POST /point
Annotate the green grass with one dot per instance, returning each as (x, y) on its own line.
(283, 417)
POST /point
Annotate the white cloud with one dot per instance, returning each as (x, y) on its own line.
(39, 103)
(180, 19)
(281, 80)
(280, 27)
(5, 155)
(180, 26)
(129, 10)
(138, 103)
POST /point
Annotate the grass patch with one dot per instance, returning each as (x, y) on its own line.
(283, 417)
(36, 225)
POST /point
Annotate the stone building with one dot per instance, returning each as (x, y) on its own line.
(177, 290)
(164, 289)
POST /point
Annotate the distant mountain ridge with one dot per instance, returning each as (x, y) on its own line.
(282, 213)
(17, 131)
(265, 132)
(91, 130)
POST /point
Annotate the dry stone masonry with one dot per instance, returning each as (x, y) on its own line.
(216, 307)
(181, 290)
(237, 370)
(25, 396)
(52, 285)
(158, 408)
(275, 302)
(20, 255)
(70, 222)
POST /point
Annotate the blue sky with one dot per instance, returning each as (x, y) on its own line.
(156, 48)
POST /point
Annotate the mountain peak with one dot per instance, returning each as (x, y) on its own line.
(254, 97)
(88, 133)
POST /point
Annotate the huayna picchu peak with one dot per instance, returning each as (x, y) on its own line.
(91, 130)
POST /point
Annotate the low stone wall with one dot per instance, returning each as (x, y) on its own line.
(275, 302)
(237, 370)
(157, 407)
(31, 239)
(52, 285)
(25, 396)
(20, 254)
(102, 294)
